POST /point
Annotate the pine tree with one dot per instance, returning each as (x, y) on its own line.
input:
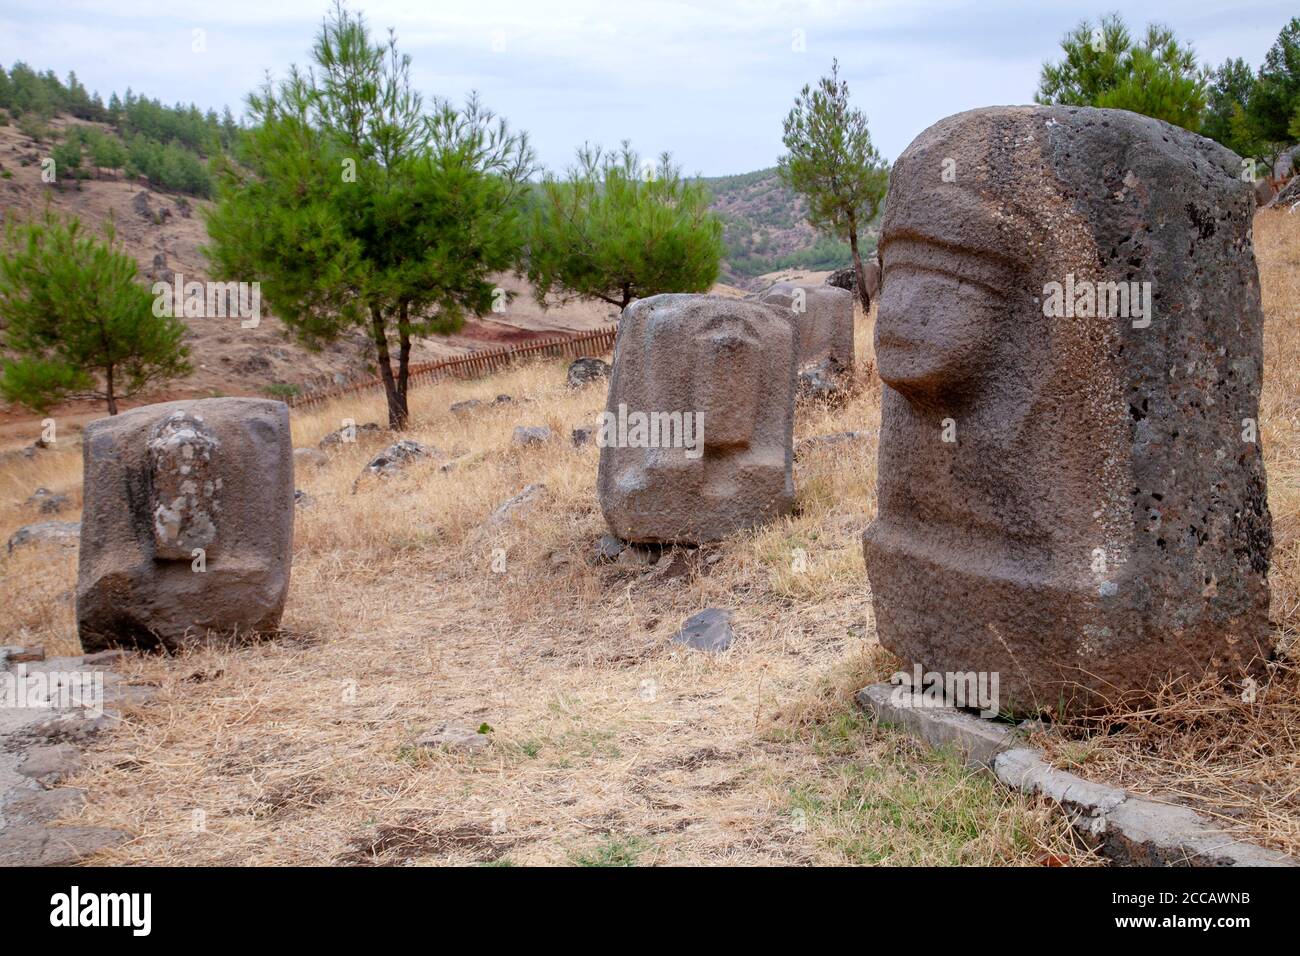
(76, 320)
(1103, 67)
(616, 230)
(355, 205)
(833, 164)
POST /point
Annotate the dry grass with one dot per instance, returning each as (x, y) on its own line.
(609, 744)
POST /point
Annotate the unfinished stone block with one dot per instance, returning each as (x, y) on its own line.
(823, 320)
(696, 441)
(1071, 488)
(188, 524)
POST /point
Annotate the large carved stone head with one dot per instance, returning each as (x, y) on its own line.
(1071, 488)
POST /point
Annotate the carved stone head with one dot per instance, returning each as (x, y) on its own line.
(1071, 490)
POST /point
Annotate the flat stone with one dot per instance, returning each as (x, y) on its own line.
(47, 764)
(455, 737)
(42, 806)
(1133, 831)
(37, 845)
(526, 435)
(710, 631)
(347, 436)
(64, 533)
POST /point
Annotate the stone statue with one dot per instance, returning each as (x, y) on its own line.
(1071, 487)
(188, 524)
(696, 442)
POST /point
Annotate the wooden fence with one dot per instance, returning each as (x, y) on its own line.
(473, 365)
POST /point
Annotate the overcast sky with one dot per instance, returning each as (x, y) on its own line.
(708, 81)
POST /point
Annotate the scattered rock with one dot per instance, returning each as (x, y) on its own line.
(460, 408)
(586, 370)
(346, 436)
(1289, 194)
(526, 435)
(455, 737)
(50, 763)
(582, 436)
(36, 845)
(824, 381)
(517, 506)
(710, 630)
(309, 456)
(302, 499)
(397, 456)
(65, 533)
(608, 548)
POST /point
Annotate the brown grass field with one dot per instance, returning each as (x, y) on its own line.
(609, 745)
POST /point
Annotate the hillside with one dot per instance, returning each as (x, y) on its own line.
(766, 229)
(164, 231)
(766, 236)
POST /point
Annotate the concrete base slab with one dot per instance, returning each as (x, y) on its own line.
(978, 741)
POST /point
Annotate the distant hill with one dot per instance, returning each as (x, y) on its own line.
(766, 229)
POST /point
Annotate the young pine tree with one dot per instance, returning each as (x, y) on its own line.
(616, 230)
(76, 321)
(833, 164)
(355, 205)
(1103, 66)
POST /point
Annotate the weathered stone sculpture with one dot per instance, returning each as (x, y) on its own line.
(188, 524)
(697, 439)
(823, 320)
(1071, 487)
(848, 279)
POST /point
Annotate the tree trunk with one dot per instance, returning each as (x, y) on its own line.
(404, 360)
(396, 406)
(109, 393)
(858, 274)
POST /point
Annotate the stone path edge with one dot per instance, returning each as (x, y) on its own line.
(1125, 828)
